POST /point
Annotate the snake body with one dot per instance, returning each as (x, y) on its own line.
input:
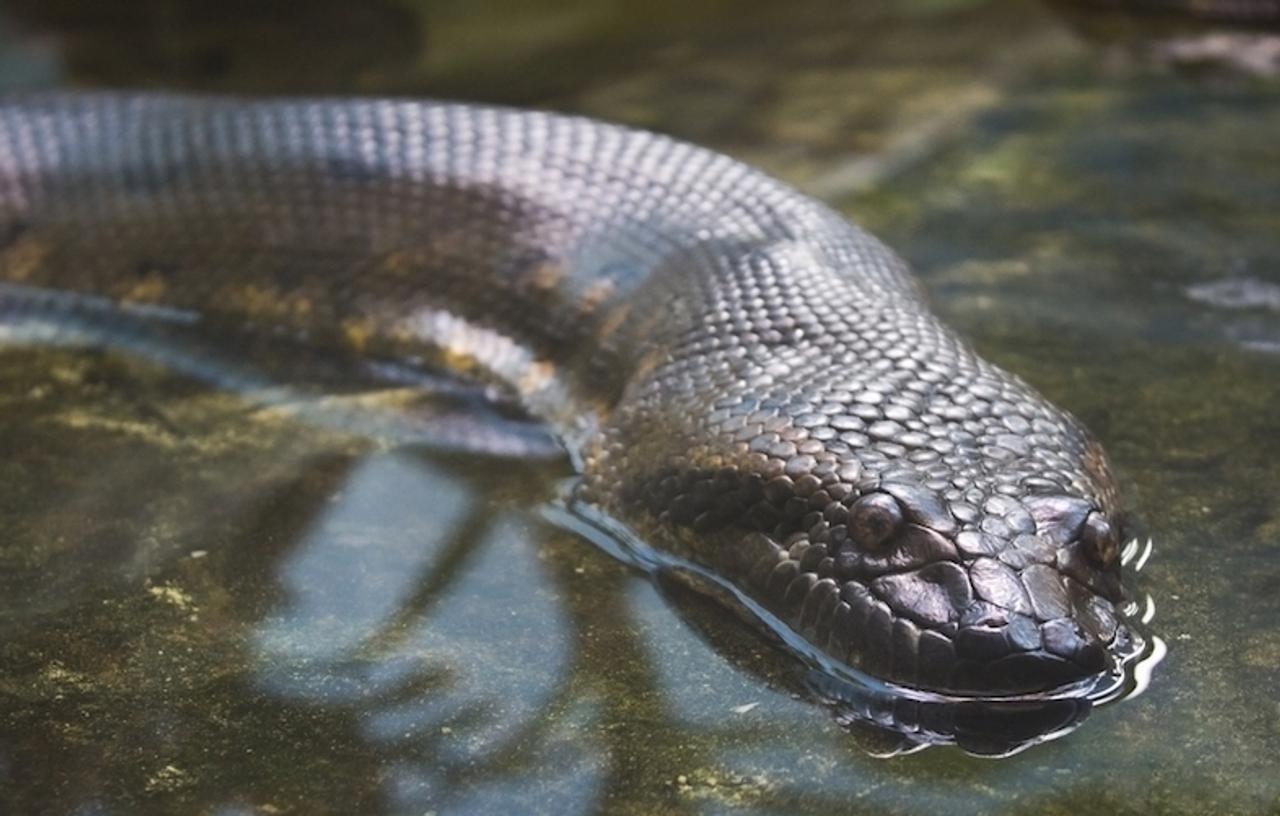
(747, 381)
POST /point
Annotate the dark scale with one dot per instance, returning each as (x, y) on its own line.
(748, 380)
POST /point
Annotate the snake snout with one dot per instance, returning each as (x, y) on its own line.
(1046, 613)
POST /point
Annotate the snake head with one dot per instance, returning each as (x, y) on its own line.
(1018, 596)
(1007, 587)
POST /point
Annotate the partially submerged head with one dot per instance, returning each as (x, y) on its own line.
(1018, 596)
(940, 541)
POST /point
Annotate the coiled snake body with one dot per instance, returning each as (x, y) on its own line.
(748, 381)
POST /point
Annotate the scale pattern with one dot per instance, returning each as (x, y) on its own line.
(746, 379)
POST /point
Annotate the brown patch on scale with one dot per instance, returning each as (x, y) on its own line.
(536, 377)
(400, 398)
(596, 294)
(269, 302)
(602, 407)
(149, 289)
(613, 321)
(412, 260)
(648, 364)
(357, 332)
(22, 256)
(459, 359)
(547, 275)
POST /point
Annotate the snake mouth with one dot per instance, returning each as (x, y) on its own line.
(986, 651)
(904, 592)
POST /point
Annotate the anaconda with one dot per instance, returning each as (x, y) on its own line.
(747, 382)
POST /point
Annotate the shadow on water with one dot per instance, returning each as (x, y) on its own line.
(324, 632)
(212, 608)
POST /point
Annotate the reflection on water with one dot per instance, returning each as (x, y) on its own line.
(389, 609)
(210, 607)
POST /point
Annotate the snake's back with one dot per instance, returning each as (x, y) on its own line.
(748, 381)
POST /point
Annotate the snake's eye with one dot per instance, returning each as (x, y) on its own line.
(1099, 540)
(874, 519)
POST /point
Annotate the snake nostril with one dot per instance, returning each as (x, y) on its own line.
(1099, 540)
(874, 519)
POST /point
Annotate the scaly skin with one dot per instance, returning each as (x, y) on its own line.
(747, 380)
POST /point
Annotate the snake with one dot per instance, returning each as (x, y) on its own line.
(746, 381)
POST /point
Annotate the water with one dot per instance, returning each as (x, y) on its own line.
(213, 607)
